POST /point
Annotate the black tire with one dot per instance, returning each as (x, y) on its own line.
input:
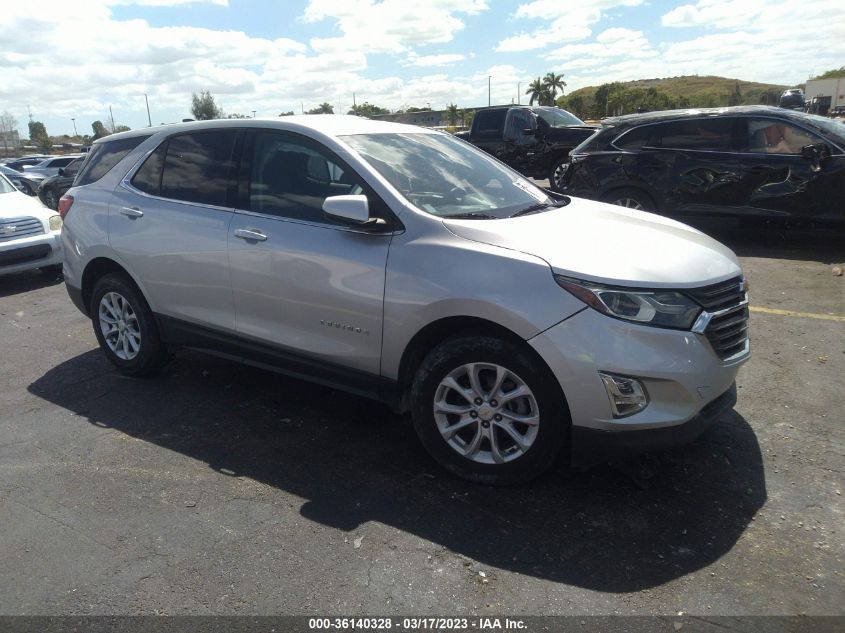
(556, 174)
(552, 431)
(27, 189)
(631, 198)
(51, 199)
(151, 353)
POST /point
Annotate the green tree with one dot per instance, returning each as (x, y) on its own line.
(38, 135)
(122, 128)
(832, 74)
(288, 113)
(466, 117)
(537, 92)
(323, 108)
(602, 107)
(99, 130)
(452, 113)
(203, 107)
(552, 83)
(368, 109)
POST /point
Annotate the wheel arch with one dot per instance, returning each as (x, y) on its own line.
(655, 199)
(95, 270)
(451, 327)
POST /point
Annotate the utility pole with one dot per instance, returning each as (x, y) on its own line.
(28, 109)
(147, 101)
(354, 105)
(111, 116)
(253, 114)
(518, 92)
(302, 105)
(488, 91)
(74, 126)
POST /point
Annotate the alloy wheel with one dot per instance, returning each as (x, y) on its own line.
(119, 325)
(486, 413)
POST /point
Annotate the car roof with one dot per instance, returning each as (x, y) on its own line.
(668, 115)
(332, 125)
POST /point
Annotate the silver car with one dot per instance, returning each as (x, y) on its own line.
(403, 264)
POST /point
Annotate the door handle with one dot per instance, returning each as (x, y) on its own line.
(132, 212)
(250, 235)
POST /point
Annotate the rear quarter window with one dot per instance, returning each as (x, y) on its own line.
(489, 125)
(104, 156)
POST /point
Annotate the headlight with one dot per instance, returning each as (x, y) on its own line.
(55, 222)
(662, 308)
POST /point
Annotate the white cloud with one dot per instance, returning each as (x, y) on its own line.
(715, 13)
(390, 26)
(427, 61)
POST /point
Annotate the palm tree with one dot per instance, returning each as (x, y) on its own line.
(452, 113)
(537, 91)
(553, 82)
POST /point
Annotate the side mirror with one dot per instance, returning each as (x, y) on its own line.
(351, 209)
(816, 154)
(61, 171)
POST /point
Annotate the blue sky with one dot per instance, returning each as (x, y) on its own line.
(72, 60)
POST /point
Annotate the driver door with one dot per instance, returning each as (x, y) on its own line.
(520, 147)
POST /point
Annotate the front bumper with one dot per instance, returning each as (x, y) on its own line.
(26, 253)
(592, 446)
(679, 370)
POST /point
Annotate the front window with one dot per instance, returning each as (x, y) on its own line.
(772, 136)
(557, 117)
(447, 177)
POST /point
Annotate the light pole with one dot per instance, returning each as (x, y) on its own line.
(488, 90)
(74, 126)
(253, 114)
(518, 92)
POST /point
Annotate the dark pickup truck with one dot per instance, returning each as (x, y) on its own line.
(534, 140)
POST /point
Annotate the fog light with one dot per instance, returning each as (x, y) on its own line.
(55, 222)
(627, 395)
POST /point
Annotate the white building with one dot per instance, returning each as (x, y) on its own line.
(828, 93)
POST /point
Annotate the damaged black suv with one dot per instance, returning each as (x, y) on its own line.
(746, 161)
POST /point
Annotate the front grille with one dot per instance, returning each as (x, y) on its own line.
(728, 327)
(14, 228)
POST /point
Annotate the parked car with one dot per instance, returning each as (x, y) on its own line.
(50, 166)
(793, 98)
(744, 162)
(18, 164)
(403, 264)
(534, 140)
(54, 187)
(29, 233)
(12, 175)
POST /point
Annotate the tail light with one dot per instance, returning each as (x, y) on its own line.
(65, 203)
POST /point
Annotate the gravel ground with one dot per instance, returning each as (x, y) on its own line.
(221, 489)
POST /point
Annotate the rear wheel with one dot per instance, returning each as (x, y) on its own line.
(125, 326)
(487, 411)
(51, 199)
(631, 199)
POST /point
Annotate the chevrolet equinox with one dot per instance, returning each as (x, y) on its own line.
(403, 264)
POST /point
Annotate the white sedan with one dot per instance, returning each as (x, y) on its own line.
(29, 233)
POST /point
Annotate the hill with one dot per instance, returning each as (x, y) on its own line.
(668, 92)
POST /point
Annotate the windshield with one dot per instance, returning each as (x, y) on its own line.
(557, 117)
(447, 177)
(5, 185)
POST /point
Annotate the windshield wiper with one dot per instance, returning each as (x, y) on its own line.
(472, 215)
(540, 206)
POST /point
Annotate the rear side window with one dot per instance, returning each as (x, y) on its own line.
(643, 136)
(713, 134)
(200, 167)
(148, 177)
(489, 124)
(104, 156)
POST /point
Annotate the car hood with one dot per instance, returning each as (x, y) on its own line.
(16, 204)
(602, 243)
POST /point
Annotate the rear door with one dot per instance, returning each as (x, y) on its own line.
(695, 163)
(169, 224)
(311, 287)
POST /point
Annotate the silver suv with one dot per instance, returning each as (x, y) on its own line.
(403, 264)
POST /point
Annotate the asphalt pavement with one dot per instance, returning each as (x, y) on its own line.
(217, 488)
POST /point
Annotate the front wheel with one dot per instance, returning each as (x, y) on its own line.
(486, 410)
(125, 326)
(557, 174)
